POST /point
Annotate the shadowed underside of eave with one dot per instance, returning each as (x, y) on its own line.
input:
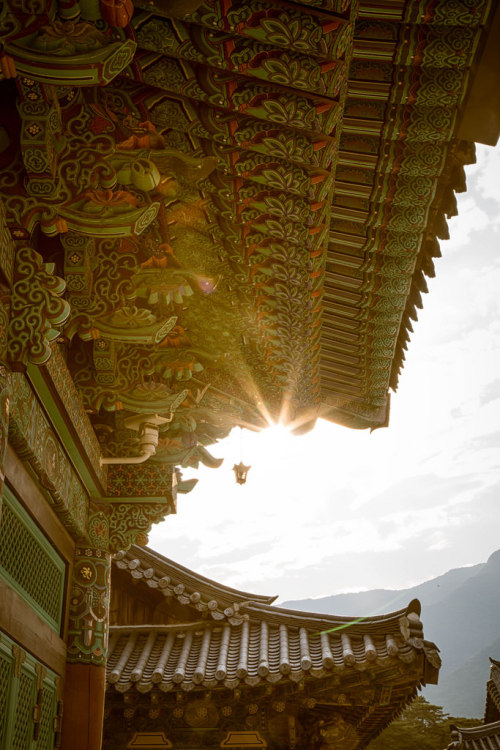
(335, 134)
(243, 201)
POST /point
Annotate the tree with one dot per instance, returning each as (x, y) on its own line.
(421, 726)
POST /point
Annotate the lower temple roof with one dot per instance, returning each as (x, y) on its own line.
(269, 649)
(244, 664)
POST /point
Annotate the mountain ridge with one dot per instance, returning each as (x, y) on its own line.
(460, 612)
(399, 597)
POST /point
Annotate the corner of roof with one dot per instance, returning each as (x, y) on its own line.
(414, 607)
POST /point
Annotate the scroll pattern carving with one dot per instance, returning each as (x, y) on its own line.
(37, 310)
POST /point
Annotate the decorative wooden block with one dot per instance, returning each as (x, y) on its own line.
(149, 741)
(243, 740)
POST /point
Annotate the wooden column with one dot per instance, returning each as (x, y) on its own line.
(87, 648)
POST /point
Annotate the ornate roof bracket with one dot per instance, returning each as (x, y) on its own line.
(41, 141)
(117, 523)
(50, 58)
(252, 206)
(37, 310)
(102, 213)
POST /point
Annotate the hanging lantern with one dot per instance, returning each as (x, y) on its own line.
(240, 472)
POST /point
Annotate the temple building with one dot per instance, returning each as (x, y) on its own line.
(492, 710)
(487, 735)
(212, 214)
(208, 666)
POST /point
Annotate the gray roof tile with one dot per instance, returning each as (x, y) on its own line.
(268, 648)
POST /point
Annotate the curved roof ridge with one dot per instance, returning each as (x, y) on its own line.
(322, 621)
(223, 602)
(310, 620)
(159, 567)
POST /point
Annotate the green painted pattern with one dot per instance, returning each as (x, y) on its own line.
(89, 607)
(31, 435)
(85, 432)
(41, 582)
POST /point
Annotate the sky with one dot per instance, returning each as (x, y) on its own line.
(341, 510)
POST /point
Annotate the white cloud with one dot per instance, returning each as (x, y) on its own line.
(471, 219)
(484, 179)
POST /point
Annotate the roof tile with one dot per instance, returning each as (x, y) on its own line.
(207, 654)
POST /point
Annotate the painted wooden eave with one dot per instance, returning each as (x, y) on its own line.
(358, 287)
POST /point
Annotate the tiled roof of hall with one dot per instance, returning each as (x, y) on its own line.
(484, 737)
(263, 643)
(211, 655)
(223, 603)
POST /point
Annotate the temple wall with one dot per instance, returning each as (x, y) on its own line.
(36, 555)
(58, 531)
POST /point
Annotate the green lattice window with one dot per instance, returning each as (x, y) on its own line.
(46, 737)
(23, 724)
(29, 563)
(23, 681)
(6, 662)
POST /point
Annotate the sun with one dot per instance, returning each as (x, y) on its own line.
(277, 431)
(267, 446)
